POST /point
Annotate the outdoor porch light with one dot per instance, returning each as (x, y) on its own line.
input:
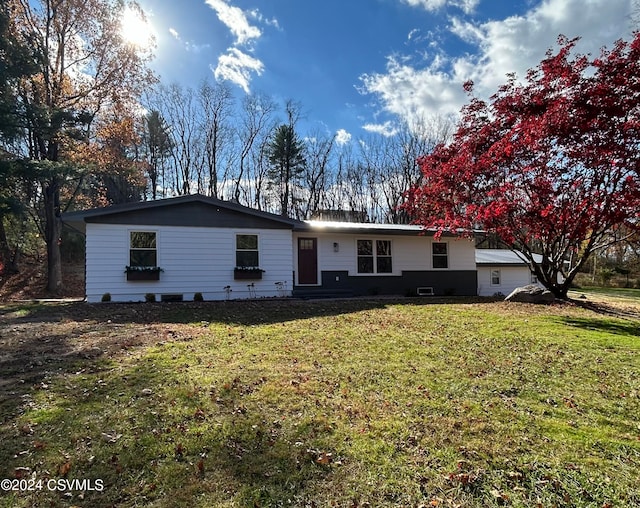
(336, 247)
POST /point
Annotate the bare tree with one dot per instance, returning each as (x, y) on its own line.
(217, 107)
(256, 118)
(181, 111)
(262, 199)
(316, 174)
(390, 165)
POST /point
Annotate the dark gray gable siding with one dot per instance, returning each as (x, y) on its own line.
(194, 214)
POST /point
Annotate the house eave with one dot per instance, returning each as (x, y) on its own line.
(359, 228)
(78, 219)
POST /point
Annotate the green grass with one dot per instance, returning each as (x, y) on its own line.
(327, 404)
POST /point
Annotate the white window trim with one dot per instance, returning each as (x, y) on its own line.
(375, 273)
(491, 272)
(141, 230)
(448, 256)
(235, 245)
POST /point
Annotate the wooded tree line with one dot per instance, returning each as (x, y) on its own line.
(85, 123)
(252, 150)
(68, 84)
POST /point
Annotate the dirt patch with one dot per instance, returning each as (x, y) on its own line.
(610, 306)
(60, 338)
(31, 282)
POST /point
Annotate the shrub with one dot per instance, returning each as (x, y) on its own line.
(197, 297)
(150, 297)
(106, 297)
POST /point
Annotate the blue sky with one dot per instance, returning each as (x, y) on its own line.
(359, 66)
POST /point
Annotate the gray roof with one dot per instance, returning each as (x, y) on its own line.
(364, 228)
(504, 257)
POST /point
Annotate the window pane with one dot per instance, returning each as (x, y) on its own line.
(439, 249)
(249, 242)
(384, 264)
(495, 277)
(383, 247)
(246, 258)
(306, 244)
(365, 248)
(142, 240)
(142, 258)
(440, 259)
(365, 264)
(440, 262)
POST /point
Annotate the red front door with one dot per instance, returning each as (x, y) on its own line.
(307, 260)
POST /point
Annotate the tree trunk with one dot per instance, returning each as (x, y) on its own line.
(560, 291)
(6, 258)
(53, 234)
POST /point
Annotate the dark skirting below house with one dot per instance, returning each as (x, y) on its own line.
(444, 283)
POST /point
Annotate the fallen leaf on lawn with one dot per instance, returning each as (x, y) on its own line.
(499, 495)
(324, 458)
(514, 475)
(26, 428)
(110, 438)
(21, 472)
(64, 469)
(39, 445)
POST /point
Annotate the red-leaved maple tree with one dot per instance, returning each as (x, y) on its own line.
(549, 165)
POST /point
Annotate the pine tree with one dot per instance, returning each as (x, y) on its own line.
(287, 158)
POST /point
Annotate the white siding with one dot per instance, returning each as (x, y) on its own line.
(193, 260)
(462, 253)
(408, 252)
(511, 277)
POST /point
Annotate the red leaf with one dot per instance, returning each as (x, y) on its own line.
(64, 469)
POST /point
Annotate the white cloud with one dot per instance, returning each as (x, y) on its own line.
(413, 34)
(174, 33)
(236, 20)
(237, 67)
(343, 137)
(257, 15)
(514, 44)
(387, 128)
(433, 5)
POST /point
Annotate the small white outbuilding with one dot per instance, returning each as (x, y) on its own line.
(500, 271)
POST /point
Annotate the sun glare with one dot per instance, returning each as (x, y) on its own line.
(135, 29)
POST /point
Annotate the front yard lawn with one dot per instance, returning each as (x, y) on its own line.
(347, 403)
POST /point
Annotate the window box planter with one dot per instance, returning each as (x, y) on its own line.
(142, 274)
(247, 273)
